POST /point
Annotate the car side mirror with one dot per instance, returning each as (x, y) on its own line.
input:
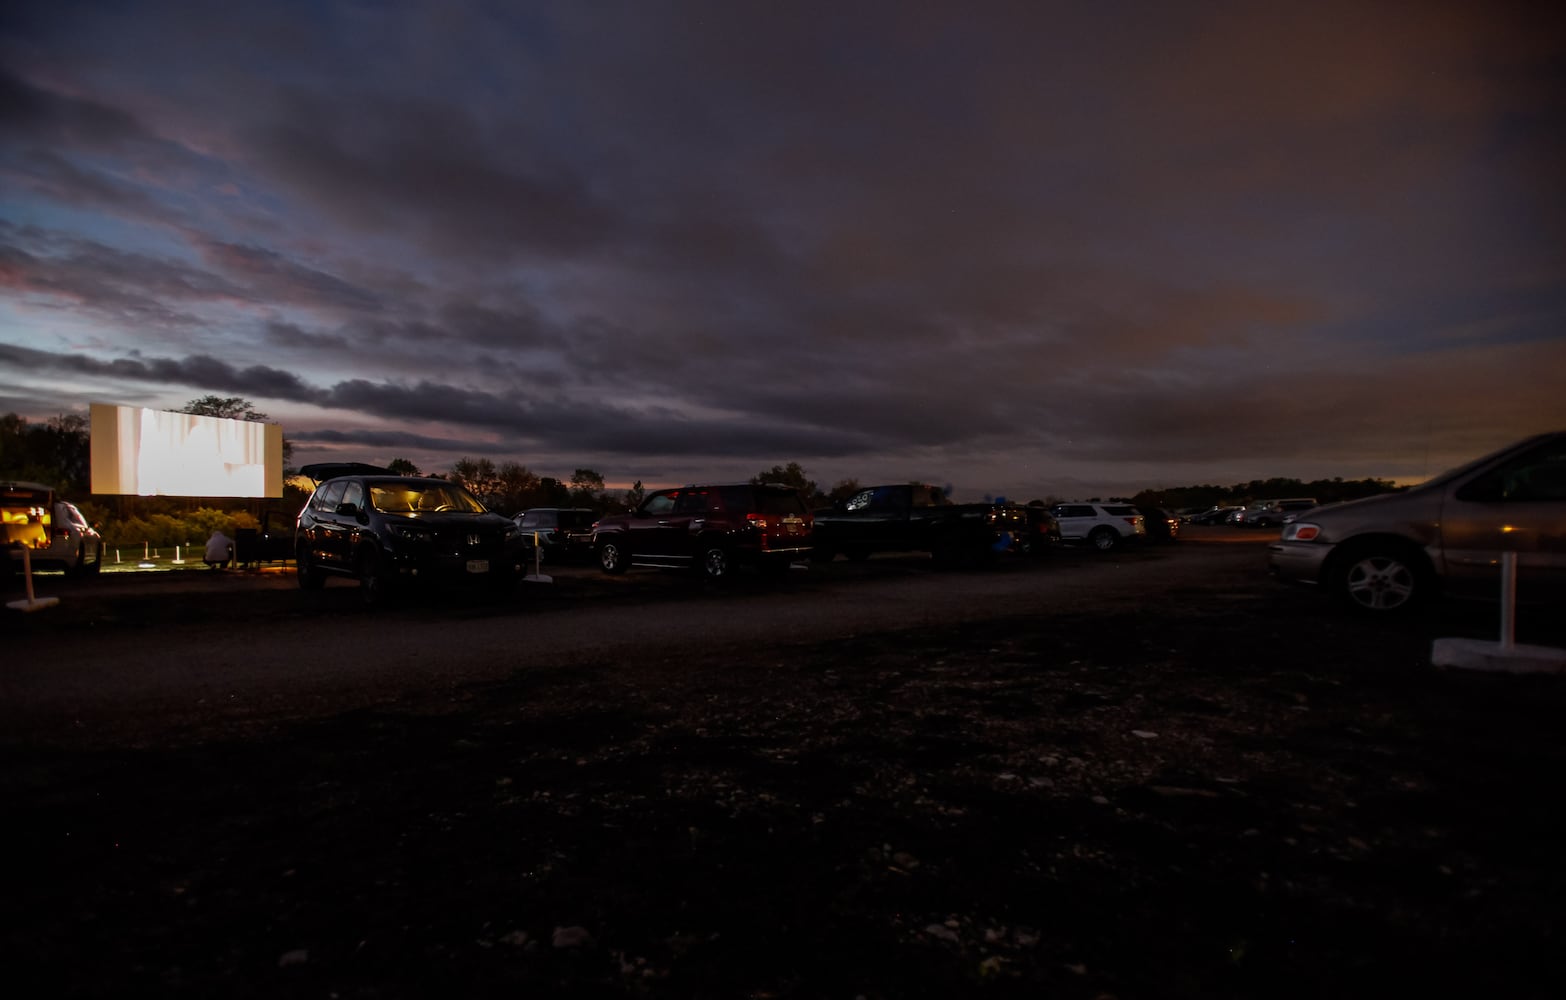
(348, 509)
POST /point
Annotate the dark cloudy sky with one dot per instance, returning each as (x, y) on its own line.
(1020, 248)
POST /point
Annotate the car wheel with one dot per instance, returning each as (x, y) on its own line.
(78, 566)
(375, 585)
(1104, 539)
(310, 575)
(1383, 580)
(714, 563)
(611, 558)
(97, 561)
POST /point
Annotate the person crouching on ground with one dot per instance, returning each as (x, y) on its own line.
(220, 549)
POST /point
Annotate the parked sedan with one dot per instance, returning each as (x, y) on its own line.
(1216, 514)
(563, 534)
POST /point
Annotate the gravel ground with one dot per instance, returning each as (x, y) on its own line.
(1157, 775)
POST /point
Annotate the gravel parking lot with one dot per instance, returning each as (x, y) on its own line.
(1155, 773)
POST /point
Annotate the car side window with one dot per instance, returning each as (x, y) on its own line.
(859, 501)
(329, 496)
(1074, 510)
(696, 502)
(354, 494)
(658, 503)
(1538, 476)
(889, 498)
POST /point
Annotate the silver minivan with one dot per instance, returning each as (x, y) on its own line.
(1391, 553)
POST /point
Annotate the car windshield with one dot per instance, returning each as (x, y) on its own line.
(417, 498)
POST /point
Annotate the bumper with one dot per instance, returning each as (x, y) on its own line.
(1297, 562)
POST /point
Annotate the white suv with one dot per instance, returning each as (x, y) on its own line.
(1105, 525)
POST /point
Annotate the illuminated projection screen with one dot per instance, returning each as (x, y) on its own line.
(156, 453)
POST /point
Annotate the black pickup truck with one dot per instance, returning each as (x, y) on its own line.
(909, 517)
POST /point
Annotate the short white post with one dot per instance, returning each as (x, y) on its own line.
(1508, 600)
(32, 603)
(177, 560)
(538, 576)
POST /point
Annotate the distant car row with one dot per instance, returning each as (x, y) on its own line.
(386, 530)
(1262, 514)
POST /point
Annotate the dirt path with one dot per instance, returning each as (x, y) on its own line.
(1160, 777)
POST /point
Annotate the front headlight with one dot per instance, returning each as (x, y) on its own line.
(1301, 531)
(411, 532)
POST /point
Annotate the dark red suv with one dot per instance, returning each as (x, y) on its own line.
(709, 529)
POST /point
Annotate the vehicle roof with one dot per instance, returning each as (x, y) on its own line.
(320, 472)
(17, 484)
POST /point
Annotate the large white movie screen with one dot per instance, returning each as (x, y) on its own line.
(160, 453)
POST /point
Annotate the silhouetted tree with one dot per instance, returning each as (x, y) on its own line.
(239, 408)
(793, 475)
(56, 453)
(402, 467)
(586, 485)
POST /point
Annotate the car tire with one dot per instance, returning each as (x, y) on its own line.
(375, 584)
(78, 566)
(1104, 539)
(611, 558)
(1383, 580)
(310, 575)
(714, 562)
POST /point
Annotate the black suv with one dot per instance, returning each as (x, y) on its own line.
(564, 534)
(709, 529)
(388, 531)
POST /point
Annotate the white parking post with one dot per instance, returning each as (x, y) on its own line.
(1508, 601)
(537, 576)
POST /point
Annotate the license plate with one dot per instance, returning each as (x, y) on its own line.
(478, 565)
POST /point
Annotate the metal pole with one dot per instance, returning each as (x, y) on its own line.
(1508, 600)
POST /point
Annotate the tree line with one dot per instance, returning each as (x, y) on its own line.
(57, 453)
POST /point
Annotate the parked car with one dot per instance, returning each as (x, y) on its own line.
(1043, 530)
(1217, 514)
(708, 528)
(1271, 513)
(1102, 525)
(66, 542)
(564, 534)
(917, 517)
(1391, 553)
(1162, 525)
(390, 531)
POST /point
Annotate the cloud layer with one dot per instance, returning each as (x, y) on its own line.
(1037, 248)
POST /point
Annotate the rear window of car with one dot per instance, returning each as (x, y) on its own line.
(760, 500)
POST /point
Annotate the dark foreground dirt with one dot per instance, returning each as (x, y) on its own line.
(1223, 791)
